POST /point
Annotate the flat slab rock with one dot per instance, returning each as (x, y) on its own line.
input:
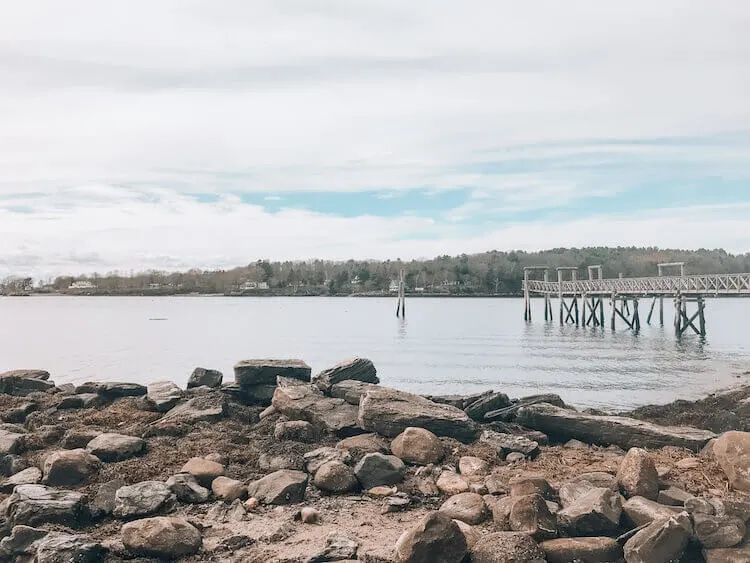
(605, 430)
(264, 371)
(163, 395)
(306, 402)
(113, 389)
(355, 369)
(389, 412)
(285, 486)
(209, 408)
(22, 382)
(115, 447)
(37, 504)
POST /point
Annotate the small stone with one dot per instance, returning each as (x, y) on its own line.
(529, 484)
(335, 477)
(116, 447)
(395, 503)
(165, 537)
(689, 463)
(143, 499)
(452, 483)
(205, 377)
(529, 514)
(69, 467)
(470, 467)
(382, 491)
(281, 487)
(673, 496)
(576, 445)
(314, 459)
(228, 489)
(30, 476)
(417, 445)
(73, 439)
(251, 504)
(339, 547)
(515, 457)
(467, 507)
(295, 430)
(495, 485)
(500, 508)
(378, 469)
(309, 515)
(203, 470)
(478, 488)
(637, 475)
(506, 547)
(365, 443)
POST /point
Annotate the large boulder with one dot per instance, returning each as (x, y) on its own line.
(257, 372)
(115, 447)
(356, 369)
(374, 470)
(26, 543)
(436, 539)
(467, 507)
(389, 412)
(637, 475)
(718, 531)
(11, 442)
(69, 467)
(163, 395)
(349, 390)
(662, 541)
(639, 511)
(23, 382)
(163, 537)
(37, 504)
(306, 402)
(564, 424)
(732, 453)
(285, 486)
(205, 377)
(506, 547)
(590, 550)
(112, 390)
(595, 513)
(417, 445)
(143, 499)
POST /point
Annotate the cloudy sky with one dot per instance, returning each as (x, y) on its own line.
(177, 133)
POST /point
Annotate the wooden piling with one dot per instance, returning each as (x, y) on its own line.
(401, 300)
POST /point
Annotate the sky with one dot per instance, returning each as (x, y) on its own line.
(172, 134)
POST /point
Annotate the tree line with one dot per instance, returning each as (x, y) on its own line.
(487, 273)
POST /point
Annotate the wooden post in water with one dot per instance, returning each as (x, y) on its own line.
(583, 309)
(614, 310)
(560, 294)
(651, 311)
(574, 277)
(401, 302)
(701, 315)
(636, 317)
(526, 301)
(678, 313)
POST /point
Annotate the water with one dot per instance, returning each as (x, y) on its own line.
(444, 346)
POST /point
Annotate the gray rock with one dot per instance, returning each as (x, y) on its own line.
(143, 499)
(530, 514)
(509, 443)
(256, 372)
(19, 413)
(390, 412)
(163, 395)
(436, 539)
(697, 505)
(571, 491)
(249, 394)
(339, 547)
(506, 547)
(529, 484)
(78, 438)
(187, 488)
(30, 476)
(295, 430)
(37, 504)
(662, 541)
(673, 496)
(355, 369)
(81, 401)
(69, 467)
(205, 377)
(306, 402)
(21, 542)
(103, 503)
(599, 479)
(314, 459)
(595, 513)
(732, 452)
(640, 511)
(112, 390)
(20, 383)
(116, 447)
(335, 477)
(467, 507)
(270, 463)
(164, 537)
(10, 464)
(285, 486)
(739, 554)
(11, 442)
(625, 432)
(351, 391)
(718, 531)
(377, 469)
(26, 543)
(26, 373)
(507, 414)
(205, 408)
(590, 550)
(487, 403)
(637, 475)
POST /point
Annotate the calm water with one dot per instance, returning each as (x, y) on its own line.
(444, 346)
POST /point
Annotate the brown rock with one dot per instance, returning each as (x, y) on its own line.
(165, 537)
(732, 453)
(417, 445)
(637, 475)
(470, 466)
(228, 489)
(467, 507)
(366, 443)
(718, 531)
(281, 487)
(356, 369)
(501, 512)
(506, 547)
(662, 541)
(436, 539)
(589, 550)
(203, 470)
(594, 513)
(452, 483)
(530, 514)
(529, 484)
(69, 467)
(640, 511)
(335, 477)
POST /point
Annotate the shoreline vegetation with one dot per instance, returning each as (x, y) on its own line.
(278, 466)
(487, 274)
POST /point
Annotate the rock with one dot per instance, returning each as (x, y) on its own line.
(250, 394)
(26, 543)
(390, 412)
(529, 484)
(571, 491)
(470, 533)
(395, 503)
(69, 467)
(295, 430)
(26, 373)
(205, 377)
(268, 411)
(204, 408)
(19, 413)
(491, 402)
(355, 369)
(115, 447)
(78, 438)
(637, 475)
(640, 511)
(470, 466)
(20, 383)
(163, 395)
(452, 483)
(599, 479)
(417, 445)
(673, 496)
(588, 550)
(509, 443)
(104, 501)
(143, 499)
(309, 515)
(436, 539)
(496, 485)
(112, 390)
(500, 508)
(726, 507)
(662, 541)
(204, 470)
(514, 457)
(530, 514)
(335, 477)
(732, 453)
(187, 488)
(458, 401)
(625, 432)
(351, 391)
(270, 463)
(507, 547)
(11, 442)
(740, 554)
(718, 531)
(339, 547)
(697, 505)
(507, 414)
(306, 402)
(37, 504)
(165, 537)
(256, 372)
(10, 464)
(378, 469)
(81, 401)
(228, 489)
(595, 513)
(365, 443)
(21, 541)
(689, 463)
(281, 487)
(314, 459)
(30, 476)
(467, 507)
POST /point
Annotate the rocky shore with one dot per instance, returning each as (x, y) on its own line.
(281, 466)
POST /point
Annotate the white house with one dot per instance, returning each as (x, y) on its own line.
(85, 284)
(393, 288)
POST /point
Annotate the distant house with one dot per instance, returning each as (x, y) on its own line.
(250, 285)
(393, 287)
(355, 280)
(154, 285)
(84, 284)
(419, 289)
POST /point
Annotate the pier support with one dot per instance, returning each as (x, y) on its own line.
(595, 315)
(633, 321)
(401, 303)
(683, 321)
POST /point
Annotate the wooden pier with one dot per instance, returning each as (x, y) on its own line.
(582, 300)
